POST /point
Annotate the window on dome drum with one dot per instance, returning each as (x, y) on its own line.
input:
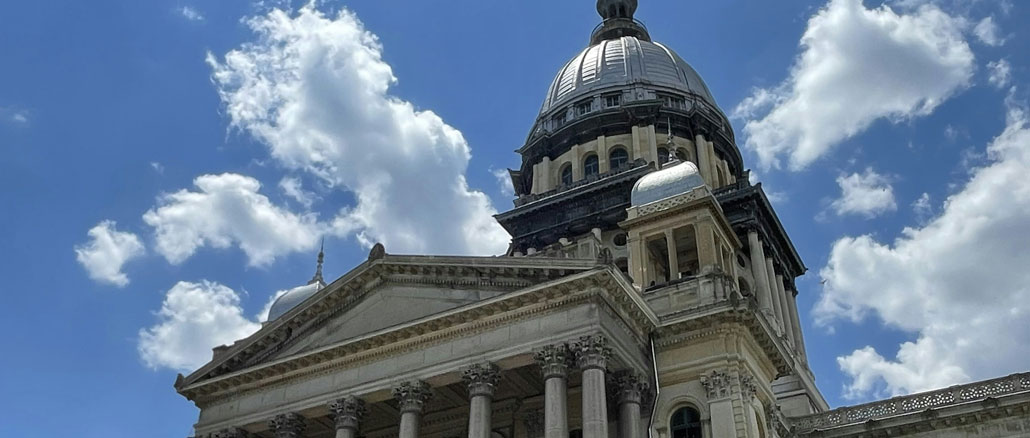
(591, 165)
(612, 100)
(566, 175)
(559, 120)
(675, 102)
(618, 158)
(584, 107)
(686, 423)
(663, 155)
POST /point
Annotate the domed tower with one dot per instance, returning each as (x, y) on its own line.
(615, 115)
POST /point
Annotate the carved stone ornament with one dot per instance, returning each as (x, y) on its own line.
(747, 387)
(481, 379)
(232, 432)
(554, 360)
(605, 257)
(348, 412)
(716, 384)
(289, 425)
(412, 395)
(378, 251)
(592, 352)
(629, 386)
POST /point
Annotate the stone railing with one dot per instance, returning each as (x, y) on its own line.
(913, 403)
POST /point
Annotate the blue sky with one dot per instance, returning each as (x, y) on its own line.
(168, 166)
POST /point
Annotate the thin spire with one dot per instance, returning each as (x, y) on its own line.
(318, 270)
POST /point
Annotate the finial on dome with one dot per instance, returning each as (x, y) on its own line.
(610, 9)
(618, 21)
(318, 269)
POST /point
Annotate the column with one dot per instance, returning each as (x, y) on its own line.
(412, 397)
(674, 263)
(481, 379)
(347, 412)
(637, 152)
(758, 273)
(290, 425)
(554, 362)
(703, 160)
(534, 423)
(788, 318)
(798, 336)
(652, 144)
(776, 302)
(592, 355)
(720, 404)
(707, 255)
(546, 179)
(602, 155)
(577, 163)
(630, 388)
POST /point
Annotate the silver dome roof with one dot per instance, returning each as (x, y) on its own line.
(291, 299)
(672, 180)
(620, 62)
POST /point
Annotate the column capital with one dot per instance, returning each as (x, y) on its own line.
(554, 360)
(748, 387)
(481, 379)
(592, 352)
(348, 412)
(629, 386)
(716, 384)
(289, 425)
(232, 432)
(412, 395)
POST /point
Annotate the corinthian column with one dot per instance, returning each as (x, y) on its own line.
(762, 290)
(289, 425)
(481, 380)
(348, 412)
(411, 396)
(554, 363)
(630, 388)
(592, 355)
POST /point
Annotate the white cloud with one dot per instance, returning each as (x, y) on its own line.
(504, 181)
(191, 14)
(959, 284)
(158, 167)
(922, 207)
(107, 251)
(263, 315)
(857, 65)
(228, 210)
(14, 115)
(292, 187)
(987, 32)
(315, 90)
(868, 194)
(194, 318)
(1000, 73)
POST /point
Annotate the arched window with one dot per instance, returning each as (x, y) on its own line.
(618, 158)
(684, 155)
(686, 423)
(566, 175)
(663, 155)
(590, 165)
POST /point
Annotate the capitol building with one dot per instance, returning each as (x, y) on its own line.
(648, 291)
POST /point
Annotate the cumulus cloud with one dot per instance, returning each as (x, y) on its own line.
(227, 210)
(868, 194)
(194, 318)
(190, 13)
(999, 73)
(504, 181)
(107, 251)
(293, 188)
(958, 284)
(922, 208)
(857, 65)
(315, 89)
(987, 32)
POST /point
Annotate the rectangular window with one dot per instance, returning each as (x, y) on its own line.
(675, 102)
(584, 107)
(612, 100)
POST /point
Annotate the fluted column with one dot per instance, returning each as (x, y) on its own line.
(592, 355)
(788, 316)
(762, 290)
(347, 412)
(411, 396)
(554, 363)
(674, 263)
(289, 425)
(630, 388)
(798, 335)
(776, 302)
(481, 380)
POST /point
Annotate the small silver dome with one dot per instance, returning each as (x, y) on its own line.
(620, 62)
(672, 180)
(291, 299)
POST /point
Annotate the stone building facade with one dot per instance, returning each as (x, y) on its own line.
(648, 291)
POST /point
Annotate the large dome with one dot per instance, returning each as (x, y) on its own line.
(617, 64)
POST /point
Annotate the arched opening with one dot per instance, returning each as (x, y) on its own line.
(687, 262)
(591, 165)
(684, 155)
(622, 11)
(685, 423)
(657, 261)
(618, 158)
(611, 11)
(566, 175)
(745, 288)
(663, 155)
(718, 177)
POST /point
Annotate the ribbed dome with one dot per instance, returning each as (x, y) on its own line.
(620, 62)
(672, 180)
(291, 299)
